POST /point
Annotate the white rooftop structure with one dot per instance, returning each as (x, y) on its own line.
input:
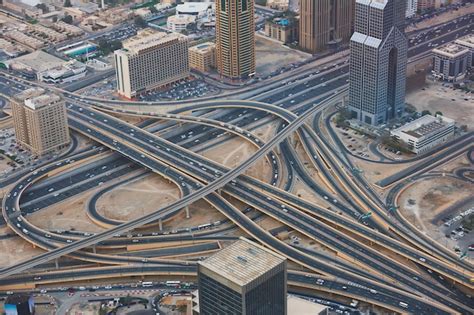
(466, 41)
(193, 8)
(147, 39)
(42, 100)
(242, 262)
(451, 50)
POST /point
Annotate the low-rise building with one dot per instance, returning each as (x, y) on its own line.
(425, 133)
(10, 49)
(40, 121)
(26, 40)
(23, 8)
(43, 31)
(468, 42)
(179, 23)
(202, 57)
(196, 9)
(68, 29)
(450, 62)
(281, 5)
(42, 66)
(150, 60)
(282, 29)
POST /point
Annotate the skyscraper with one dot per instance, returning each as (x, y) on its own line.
(40, 121)
(235, 38)
(412, 7)
(243, 278)
(325, 22)
(378, 61)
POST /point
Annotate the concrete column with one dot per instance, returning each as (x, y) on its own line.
(94, 249)
(278, 150)
(186, 209)
(56, 263)
(160, 224)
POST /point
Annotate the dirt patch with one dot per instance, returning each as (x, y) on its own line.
(455, 104)
(424, 200)
(138, 198)
(16, 249)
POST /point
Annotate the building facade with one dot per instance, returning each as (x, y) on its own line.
(412, 8)
(378, 61)
(40, 121)
(284, 30)
(243, 278)
(324, 23)
(450, 62)
(150, 60)
(425, 133)
(235, 38)
(202, 57)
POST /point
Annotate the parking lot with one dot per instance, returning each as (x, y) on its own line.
(119, 34)
(182, 90)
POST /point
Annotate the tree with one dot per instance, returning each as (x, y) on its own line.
(67, 19)
(153, 9)
(439, 113)
(43, 7)
(140, 22)
(425, 112)
(107, 47)
(67, 3)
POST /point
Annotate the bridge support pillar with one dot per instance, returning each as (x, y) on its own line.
(186, 209)
(56, 263)
(94, 249)
(160, 224)
(278, 150)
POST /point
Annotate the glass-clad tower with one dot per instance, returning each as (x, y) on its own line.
(378, 61)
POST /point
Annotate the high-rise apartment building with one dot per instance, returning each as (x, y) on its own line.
(325, 22)
(378, 61)
(412, 7)
(202, 57)
(149, 61)
(243, 278)
(426, 4)
(40, 121)
(235, 38)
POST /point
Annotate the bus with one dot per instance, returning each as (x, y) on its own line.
(69, 46)
(173, 283)
(147, 284)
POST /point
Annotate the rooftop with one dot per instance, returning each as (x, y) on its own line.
(467, 41)
(242, 262)
(39, 61)
(148, 39)
(451, 50)
(203, 47)
(42, 100)
(28, 93)
(193, 7)
(424, 125)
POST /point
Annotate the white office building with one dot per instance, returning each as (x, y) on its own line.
(468, 42)
(425, 133)
(450, 62)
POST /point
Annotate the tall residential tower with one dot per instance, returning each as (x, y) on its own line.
(378, 61)
(325, 22)
(235, 38)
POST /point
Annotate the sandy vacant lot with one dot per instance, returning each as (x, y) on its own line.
(138, 198)
(16, 249)
(435, 97)
(272, 55)
(423, 200)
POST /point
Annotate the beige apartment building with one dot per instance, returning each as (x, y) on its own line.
(40, 121)
(235, 38)
(202, 57)
(324, 23)
(282, 29)
(150, 60)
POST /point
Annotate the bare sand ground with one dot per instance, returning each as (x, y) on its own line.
(136, 199)
(66, 215)
(16, 249)
(435, 98)
(272, 55)
(423, 200)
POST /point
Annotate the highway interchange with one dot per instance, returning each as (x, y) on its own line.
(174, 154)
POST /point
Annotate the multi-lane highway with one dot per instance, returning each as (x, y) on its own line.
(363, 266)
